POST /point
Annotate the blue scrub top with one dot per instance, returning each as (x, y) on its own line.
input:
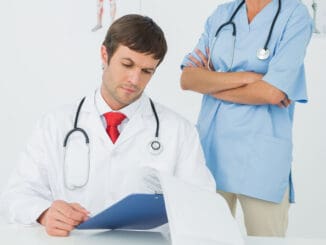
(248, 148)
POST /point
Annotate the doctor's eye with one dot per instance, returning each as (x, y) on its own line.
(128, 65)
(149, 72)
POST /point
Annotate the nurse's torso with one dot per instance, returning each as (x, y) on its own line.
(239, 141)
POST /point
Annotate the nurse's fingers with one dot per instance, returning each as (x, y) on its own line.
(204, 60)
(195, 61)
(284, 103)
(211, 67)
(189, 64)
(280, 105)
(208, 52)
(287, 101)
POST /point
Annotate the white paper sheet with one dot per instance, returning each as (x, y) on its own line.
(197, 216)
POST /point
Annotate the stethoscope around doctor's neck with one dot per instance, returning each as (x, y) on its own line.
(262, 53)
(154, 146)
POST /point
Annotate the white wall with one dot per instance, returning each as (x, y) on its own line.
(49, 56)
(308, 215)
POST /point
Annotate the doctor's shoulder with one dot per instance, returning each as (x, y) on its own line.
(57, 121)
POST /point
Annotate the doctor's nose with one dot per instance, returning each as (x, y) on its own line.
(135, 77)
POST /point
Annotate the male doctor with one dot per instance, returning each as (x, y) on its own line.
(60, 187)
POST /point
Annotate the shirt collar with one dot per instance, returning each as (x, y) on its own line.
(103, 107)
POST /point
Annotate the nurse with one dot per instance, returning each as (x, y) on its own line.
(59, 186)
(248, 64)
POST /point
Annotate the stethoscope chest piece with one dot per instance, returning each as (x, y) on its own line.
(155, 146)
(263, 54)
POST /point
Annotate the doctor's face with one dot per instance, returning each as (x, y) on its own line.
(125, 76)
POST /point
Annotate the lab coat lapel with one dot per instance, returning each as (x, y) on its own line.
(136, 123)
(133, 127)
(93, 121)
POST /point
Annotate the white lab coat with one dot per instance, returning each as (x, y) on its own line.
(39, 178)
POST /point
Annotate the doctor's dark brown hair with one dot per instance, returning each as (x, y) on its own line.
(139, 33)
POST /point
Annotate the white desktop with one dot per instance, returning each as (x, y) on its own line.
(36, 235)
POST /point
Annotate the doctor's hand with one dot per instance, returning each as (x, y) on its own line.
(202, 62)
(62, 217)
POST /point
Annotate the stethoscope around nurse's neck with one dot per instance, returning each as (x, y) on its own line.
(155, 147)
(262, 53)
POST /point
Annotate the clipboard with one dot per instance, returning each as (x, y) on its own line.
(134, 212)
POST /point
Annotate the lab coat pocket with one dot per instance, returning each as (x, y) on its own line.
(270, 164)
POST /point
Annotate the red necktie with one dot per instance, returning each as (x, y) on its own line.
(113, 120)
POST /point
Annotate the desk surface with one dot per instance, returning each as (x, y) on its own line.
(17, 235)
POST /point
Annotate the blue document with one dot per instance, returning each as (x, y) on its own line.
(134, 212)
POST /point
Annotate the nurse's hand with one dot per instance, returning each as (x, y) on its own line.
(62, 217)
(202, 62)
(244, 77)
(285, 102)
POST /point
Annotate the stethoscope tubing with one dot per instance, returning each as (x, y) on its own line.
(155, 145)
(76, 128)
(234, 30)
(230, 22)
(273, 23)
(156, 118)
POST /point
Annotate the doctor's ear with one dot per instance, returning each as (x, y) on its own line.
(104, 56)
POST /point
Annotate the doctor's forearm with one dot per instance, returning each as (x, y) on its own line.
(204, 81)
(257, 93)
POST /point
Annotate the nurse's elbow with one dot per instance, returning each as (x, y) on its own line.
(184, 80)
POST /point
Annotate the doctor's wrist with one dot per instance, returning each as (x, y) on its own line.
(42, 218)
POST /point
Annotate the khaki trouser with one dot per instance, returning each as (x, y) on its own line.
(262, 218)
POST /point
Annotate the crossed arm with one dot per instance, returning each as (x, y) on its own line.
(237, 87)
